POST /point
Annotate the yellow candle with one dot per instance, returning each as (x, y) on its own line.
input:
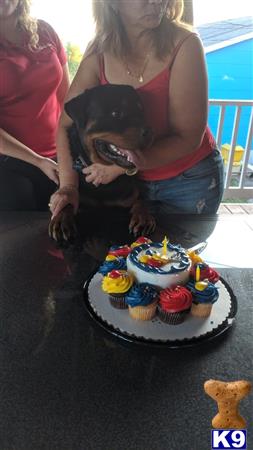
(197, 275)
(165, 242)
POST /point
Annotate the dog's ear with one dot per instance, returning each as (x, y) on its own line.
(76, 108)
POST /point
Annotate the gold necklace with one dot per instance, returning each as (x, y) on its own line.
(139, 76)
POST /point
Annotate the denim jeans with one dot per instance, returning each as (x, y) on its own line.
(198, 190)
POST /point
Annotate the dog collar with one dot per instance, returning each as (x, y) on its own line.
(80, 163)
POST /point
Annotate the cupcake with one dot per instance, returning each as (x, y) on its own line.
(117, 283)
(141, 240)
(119, 250)
(205, 273)
(112, 263)
(174, 304)
(142, 300)
(204, 294)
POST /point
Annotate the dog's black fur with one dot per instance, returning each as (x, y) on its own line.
(108, 125)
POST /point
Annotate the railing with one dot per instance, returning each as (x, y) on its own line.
(241, 188)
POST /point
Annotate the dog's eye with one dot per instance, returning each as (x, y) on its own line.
(117, 114)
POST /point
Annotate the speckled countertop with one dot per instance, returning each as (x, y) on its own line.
(66, 384)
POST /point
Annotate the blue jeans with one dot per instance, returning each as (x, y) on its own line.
(198, 190)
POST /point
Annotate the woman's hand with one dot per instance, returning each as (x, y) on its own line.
(67, 195)
(50, 169)
(102, 174)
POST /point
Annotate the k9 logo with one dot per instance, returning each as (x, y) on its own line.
(229, 439)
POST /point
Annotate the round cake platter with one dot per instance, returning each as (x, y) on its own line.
(191, 332)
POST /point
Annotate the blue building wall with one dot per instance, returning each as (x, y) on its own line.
(230, 72)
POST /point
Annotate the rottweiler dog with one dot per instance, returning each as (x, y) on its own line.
(108, 126)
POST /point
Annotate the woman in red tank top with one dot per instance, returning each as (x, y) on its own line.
(33, 84)
(147, 46)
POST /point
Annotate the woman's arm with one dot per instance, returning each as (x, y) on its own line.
(10, 146)
(87, 77)
(187, 108)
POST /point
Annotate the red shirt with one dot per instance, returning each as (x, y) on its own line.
(154, 96)
(29, 108)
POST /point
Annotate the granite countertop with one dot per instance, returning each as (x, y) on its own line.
(66, 384)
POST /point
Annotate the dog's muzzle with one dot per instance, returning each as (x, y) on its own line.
(121, 157)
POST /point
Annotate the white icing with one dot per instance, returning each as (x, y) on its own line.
(165, 276)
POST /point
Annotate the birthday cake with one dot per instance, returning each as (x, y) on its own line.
(160, 264)
(145, 289)
(150, 277)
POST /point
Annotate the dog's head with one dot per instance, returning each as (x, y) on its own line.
(110, 123)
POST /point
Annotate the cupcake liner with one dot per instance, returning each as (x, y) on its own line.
(143, 312)
(118, 302)
(171, 318)
(201, 309)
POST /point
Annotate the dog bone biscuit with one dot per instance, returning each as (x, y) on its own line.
(228, 395)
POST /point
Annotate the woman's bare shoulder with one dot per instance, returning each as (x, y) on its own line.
(87, 75)
(187, 43)
(182, 34)
(91, 60)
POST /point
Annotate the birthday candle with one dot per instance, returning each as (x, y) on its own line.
(197, 275)
(165, 242)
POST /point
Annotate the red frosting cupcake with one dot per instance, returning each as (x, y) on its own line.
(206, 273)
(120, 251)
(174, 304)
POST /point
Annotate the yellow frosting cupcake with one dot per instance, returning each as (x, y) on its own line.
(117, 283)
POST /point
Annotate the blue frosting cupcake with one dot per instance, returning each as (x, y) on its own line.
(208, 295)
(114, 264)
(142, 300)
(203, 297)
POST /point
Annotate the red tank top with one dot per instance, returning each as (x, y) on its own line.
(29, 82)
(154, 96)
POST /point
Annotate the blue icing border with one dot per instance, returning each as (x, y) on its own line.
(184, 263)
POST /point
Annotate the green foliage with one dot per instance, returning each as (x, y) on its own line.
(236, 200)
(74, 57)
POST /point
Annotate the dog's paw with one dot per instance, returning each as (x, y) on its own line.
(62, 228)
(142, 223)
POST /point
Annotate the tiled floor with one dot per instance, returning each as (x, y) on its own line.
(236, 208)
